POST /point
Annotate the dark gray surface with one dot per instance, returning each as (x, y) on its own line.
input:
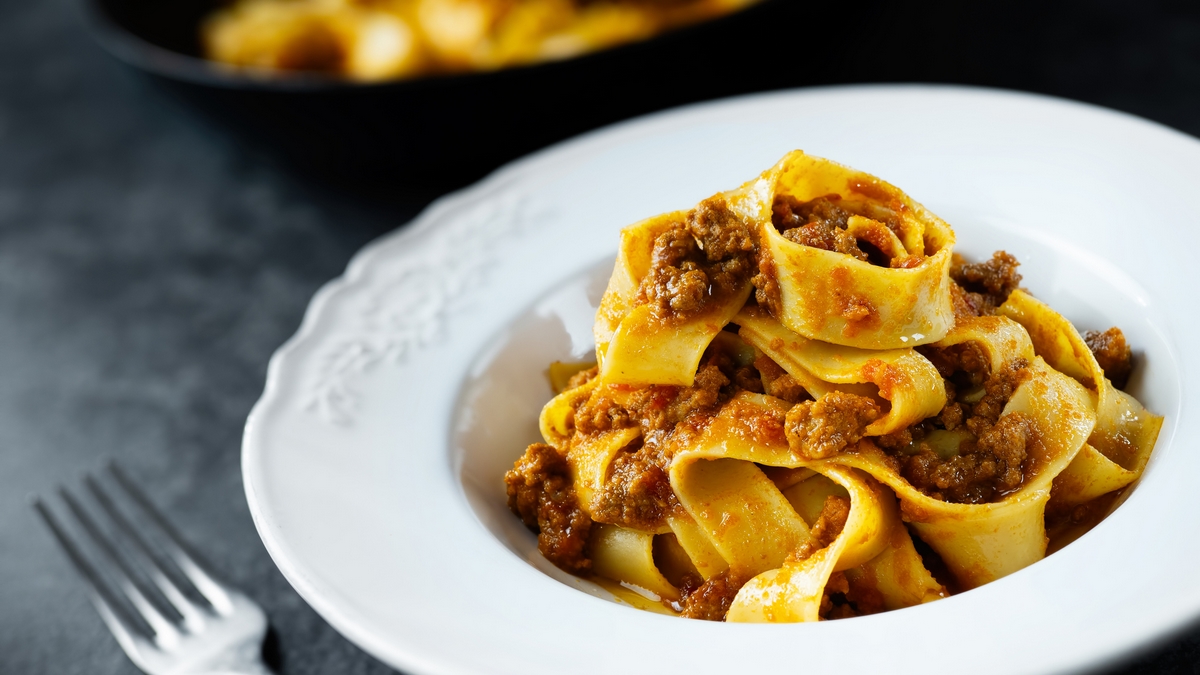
(148, 268)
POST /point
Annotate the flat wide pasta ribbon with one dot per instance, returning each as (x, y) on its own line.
(904, 379)
(740, 520)
(983, 542)
(895, 578)
(633, 344)
(633, 264)
(1125, 432)
(741, 513)
(627, 557)
(557, 420)
(589, 456)
(835, 298)
(793, 591)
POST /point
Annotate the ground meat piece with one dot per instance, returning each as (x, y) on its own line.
(686, 289)
(967, 305)
(674, 247)
(991, 456)
(675, 282)
(828, 526)
(843, 598)
(831, 521)
(896, 440)
(932, 475)
(709, 255)
(540, 493)
(833, 598)
(582, 377)
(653, 408)
(951, 416)
(789, 212)
(819, 223)
(664, 407)
(1112, 353)
(720, 232)
(601, 413)
(997, 390)
(637, 494)
(832, 610)
(711, 599)
(982, 471)
(787, 388)
(997, 277)
(1007, 441)
(749, 379)
(727, 276)
(826, 237)
(825, 427)
(726, 357)
(987, 283)
(766, 284)
(704, 393)
(778, 383)
(963, 365)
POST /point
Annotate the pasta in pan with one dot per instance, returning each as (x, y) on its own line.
(376, 40)
(806, 406)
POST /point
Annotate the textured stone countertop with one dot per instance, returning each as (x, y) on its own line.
(149, 266)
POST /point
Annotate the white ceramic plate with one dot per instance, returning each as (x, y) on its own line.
(373, 462)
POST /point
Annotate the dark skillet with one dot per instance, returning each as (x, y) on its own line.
(441, 130)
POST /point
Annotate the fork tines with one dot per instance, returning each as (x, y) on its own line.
(146, 588)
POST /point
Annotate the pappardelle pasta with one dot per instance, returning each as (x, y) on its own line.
(373, 40)
(806, 406)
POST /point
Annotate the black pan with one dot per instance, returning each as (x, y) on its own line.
(442, 130)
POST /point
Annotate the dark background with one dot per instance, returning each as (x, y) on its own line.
(150, 263)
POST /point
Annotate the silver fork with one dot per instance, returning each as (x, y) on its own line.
(167, 613)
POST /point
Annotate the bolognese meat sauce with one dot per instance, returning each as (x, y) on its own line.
(823, 428)
(1112, 353)
(989, 458)
(819, 223)
(540, 493)
(710, 255)
(982, 287)
(969, 453)
(823, 223)
(710, 600)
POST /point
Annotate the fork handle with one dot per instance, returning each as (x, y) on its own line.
(244, 663)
